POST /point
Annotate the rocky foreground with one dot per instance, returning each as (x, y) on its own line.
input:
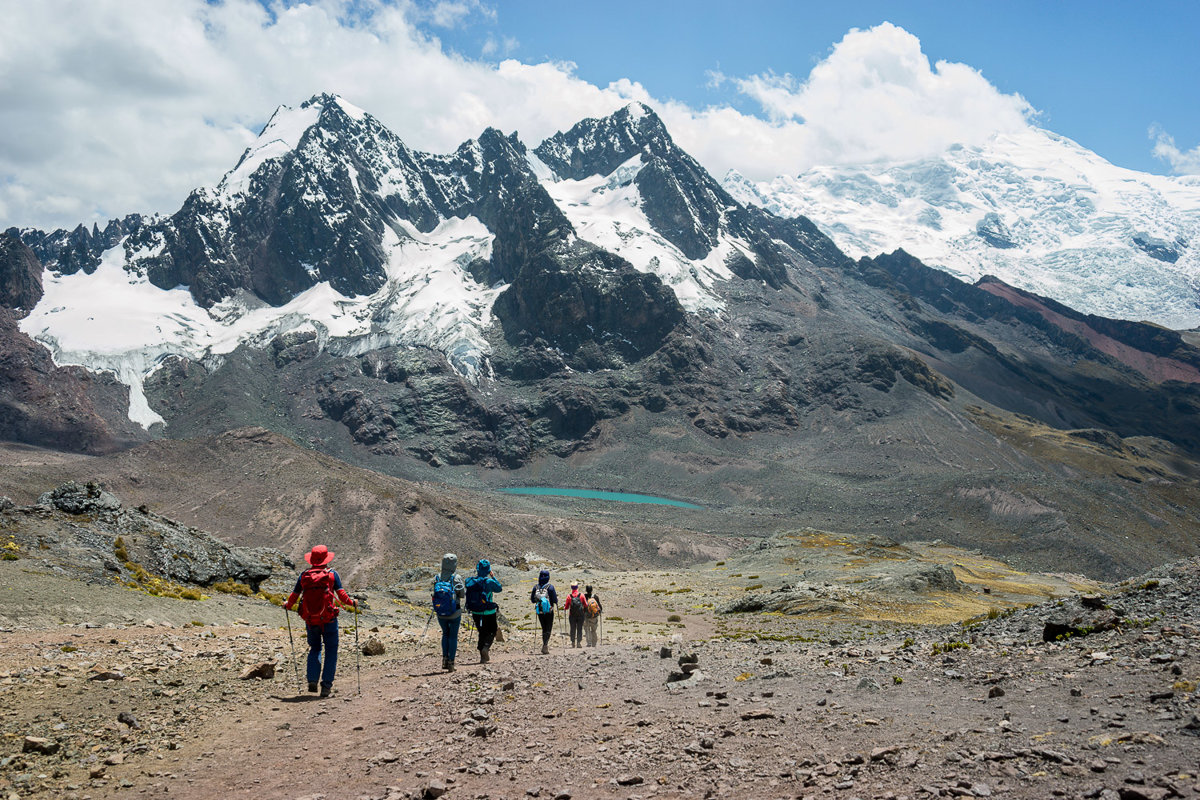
(1092, 696)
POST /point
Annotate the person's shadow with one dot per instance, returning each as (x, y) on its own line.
(299, 698)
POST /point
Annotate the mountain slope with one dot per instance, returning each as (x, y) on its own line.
(1032, 208)
(599, 312)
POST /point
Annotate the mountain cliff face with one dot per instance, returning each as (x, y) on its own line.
(602, 297)
(1032, 208)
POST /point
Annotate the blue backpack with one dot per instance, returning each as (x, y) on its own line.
(445, 599)
(542, 593)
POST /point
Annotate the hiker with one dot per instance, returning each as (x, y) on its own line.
(319, 589)
(484, 612)
(592, 621)
(448, 594)
(576, 607)
(544, 599)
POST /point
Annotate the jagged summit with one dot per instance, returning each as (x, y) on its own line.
(598, 146)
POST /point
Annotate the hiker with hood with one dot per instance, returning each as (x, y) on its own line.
(592, 621)
(484, 612)
(576, 607)
(448, 594)
(544, 600)
(319, 590)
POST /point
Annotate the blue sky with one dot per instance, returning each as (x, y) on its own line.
(109, 107)
(1101, 73)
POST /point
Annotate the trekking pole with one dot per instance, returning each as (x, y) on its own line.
(295, 666)
(357, 651)
(426, 630)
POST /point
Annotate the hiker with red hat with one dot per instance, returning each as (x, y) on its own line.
(319, 590)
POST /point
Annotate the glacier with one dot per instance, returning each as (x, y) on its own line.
(1032, 208)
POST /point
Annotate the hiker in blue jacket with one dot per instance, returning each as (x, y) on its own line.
(484, 612)
(448, 594)
(544, 600)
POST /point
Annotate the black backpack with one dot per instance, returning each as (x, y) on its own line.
(477, 601)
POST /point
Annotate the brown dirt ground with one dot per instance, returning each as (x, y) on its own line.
(780, 711)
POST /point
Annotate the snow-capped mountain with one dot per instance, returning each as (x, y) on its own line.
(1032, 208)
(495, 304)
(328, 223)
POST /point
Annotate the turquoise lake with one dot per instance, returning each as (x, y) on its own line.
(596, 494)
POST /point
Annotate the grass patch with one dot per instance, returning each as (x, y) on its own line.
(143, 581)
(674, 618)
(230, 586)
(119, 550)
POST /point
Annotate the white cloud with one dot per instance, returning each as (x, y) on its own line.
(1182, 162)
(135, 102)
(876, 97)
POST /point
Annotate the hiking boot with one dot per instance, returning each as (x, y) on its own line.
(450, 665)
(483, 656)
(312, 686)
(545, 649)
(326, 689)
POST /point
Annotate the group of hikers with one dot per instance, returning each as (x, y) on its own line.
(318, 592)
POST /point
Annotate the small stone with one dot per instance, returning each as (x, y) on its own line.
(109, 675)
(115, 759)
(97, 772)
(629, 780)
(435, 788)
(1076, 692)
(263, 671)
(373, 647)
(880, 753)
(869, 685)
(36, 744)
(758, 713)
(664, 652)
(981, 790)
(995, 692)
(125, 718)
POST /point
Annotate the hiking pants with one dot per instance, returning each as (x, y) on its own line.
(547, 621)
(589, 627)
(326, 634)
(486, 625)
(449, 636)
(576, 630)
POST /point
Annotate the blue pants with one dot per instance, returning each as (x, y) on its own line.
(327, 633)
(449, 636)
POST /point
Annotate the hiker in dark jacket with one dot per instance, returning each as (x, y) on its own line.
(591, 622)
(449, 613)
(576, 607)
(544, 600)
(316, 588)
(480, 588)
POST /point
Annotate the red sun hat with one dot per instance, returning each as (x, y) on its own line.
(319, 556)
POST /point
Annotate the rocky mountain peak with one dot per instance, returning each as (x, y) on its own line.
(598, 146)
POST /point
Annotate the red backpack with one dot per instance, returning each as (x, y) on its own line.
(317, 596)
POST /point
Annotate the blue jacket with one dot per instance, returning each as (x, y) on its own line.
(489, 585)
